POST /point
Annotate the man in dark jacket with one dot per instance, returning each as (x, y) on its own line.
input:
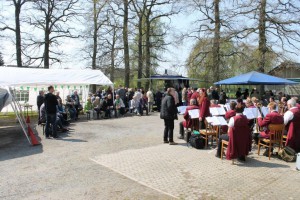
(50, 107)
(77, 105)
(39, 101)
(168, 112)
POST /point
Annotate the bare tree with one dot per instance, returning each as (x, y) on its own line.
(17, 29)
(51, 17)
(125, 41)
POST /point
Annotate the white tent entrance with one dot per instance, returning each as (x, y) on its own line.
(34, 79)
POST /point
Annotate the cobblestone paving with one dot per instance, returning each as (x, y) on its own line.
(188, 173)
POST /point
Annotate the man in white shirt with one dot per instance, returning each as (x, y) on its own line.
(150, 98)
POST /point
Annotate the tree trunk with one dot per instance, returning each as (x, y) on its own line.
(95, 40)
(262, 46)
(148, 52)
(95, 36)
(140, 50)
(126, 46)
(18, 33)
(112, 55)
(47, 45)
(216, 42)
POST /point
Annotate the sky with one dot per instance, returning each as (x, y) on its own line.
(175, 56)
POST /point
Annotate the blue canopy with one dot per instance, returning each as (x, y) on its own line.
(255, 78)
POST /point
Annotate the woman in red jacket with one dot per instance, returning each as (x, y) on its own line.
(204, 104)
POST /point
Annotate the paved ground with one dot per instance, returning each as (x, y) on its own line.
(125, 159)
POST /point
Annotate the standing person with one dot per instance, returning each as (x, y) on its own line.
(50, 108)
(169, 113)
(184, 97)
(77, 105)
(150, 100)
(204, 105)
(238, 94)
(223, 97)
(215, 94)
(121, 92)
(189, 95)
(158, 97)
(39, 101)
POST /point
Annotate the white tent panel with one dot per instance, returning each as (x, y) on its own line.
(14, 76)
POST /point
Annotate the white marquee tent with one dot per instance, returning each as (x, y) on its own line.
(64, 80)
(32, 79)
(14, 76)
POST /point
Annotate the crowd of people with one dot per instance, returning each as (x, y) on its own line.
(103, 104)
(283, 110)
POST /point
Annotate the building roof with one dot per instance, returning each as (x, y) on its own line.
(285, 65)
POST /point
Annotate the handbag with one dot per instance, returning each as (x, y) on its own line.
(287, 154)
(197, 141)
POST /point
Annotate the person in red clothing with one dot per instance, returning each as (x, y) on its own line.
(273, 117)
(238, 136)
(189, 95)
(230, 113)
(204, 104)
(292, 121)
(187, 123)
(196, 95)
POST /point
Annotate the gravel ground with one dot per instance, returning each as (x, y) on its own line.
(63, 169)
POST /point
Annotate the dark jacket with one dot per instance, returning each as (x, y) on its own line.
(168, 108)
(50, 103)
(40, 101)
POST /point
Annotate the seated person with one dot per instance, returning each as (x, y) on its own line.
(282, 106)
(214, 104)
(135, 105)
(43, 118)
(187, 123)
(144, 104)
(70, 107)
(96, 106)
(239, 131)
(230, 113)
(120, 106)
(240, 103)
(62, 113)
(292, 122)
(107, 106)
(89, 108)
(273, 117)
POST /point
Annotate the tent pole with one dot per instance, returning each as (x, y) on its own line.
(15, 105)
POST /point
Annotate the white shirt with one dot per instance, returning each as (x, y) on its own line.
(231, 121)
(288, 116)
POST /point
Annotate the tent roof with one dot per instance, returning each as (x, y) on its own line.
(255, 78)
(16, 76)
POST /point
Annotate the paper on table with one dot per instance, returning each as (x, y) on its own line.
(194, 113)
(217, 111)
(181, 109)
(251, 113)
